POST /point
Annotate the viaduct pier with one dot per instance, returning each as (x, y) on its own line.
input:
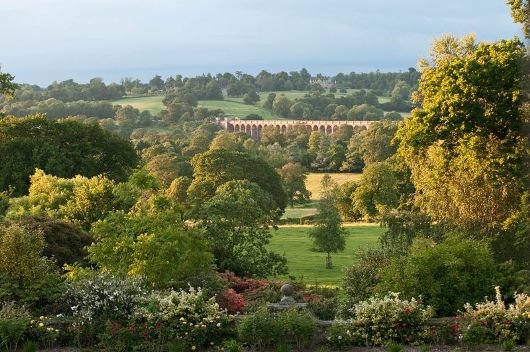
(255, 127)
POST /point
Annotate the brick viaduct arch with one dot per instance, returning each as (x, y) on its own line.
(255, 127)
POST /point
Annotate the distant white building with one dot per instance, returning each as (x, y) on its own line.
(324, 82)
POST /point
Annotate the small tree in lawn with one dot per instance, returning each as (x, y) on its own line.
(328, 233)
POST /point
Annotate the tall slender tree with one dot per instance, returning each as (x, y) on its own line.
(328, 234)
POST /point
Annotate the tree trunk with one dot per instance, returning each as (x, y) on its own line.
(329, 265)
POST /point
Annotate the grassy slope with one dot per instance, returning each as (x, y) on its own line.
(231, 106)
(294, 242)
(152, 104)
(234, 108)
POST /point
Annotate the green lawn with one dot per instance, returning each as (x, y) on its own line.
(234, 108)
(152, 104)
(293, 94)
(309, 266)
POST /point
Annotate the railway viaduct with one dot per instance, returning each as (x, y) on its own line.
(255, 127)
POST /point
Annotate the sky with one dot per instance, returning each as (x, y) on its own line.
(46, 40)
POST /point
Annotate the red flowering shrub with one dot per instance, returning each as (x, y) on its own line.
(131, 335)
(241, 284)
(232, 301)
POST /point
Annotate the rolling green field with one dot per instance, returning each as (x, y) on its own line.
(309, 266)
(292, 94)
(233, 107)
(152, 104)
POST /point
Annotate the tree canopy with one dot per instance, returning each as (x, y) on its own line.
(63, 149)
(7, 87)
(236, 221)
(465, 144)
(215, 167)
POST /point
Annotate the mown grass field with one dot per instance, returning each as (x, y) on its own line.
(313, 182)
(152, 104)
(233, 107)
(313, 185)
(308, 265)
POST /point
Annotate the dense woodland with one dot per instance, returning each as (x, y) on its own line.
(122, 230)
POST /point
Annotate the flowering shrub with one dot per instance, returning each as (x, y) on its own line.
(380, 321)
(147, 336)
(189, 316)
(340, 336)
(95, 298)
(446, 331)
(99, 297)
(240, 284)
(232, 301)
(42, 330)
(496, 322)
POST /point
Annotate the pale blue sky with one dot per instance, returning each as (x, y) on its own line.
(46, 40)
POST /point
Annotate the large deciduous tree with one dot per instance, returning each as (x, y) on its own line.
(236, 221)
(215, 167)
(377, 191)
(293, 178)
(79, 200)
(64, 149)
(465, 143)
(521, 13)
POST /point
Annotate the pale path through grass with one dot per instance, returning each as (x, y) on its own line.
(295, 243)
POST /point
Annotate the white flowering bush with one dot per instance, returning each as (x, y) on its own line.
(380, 321)
(497, 322)
(189, 316)
(102, 297)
